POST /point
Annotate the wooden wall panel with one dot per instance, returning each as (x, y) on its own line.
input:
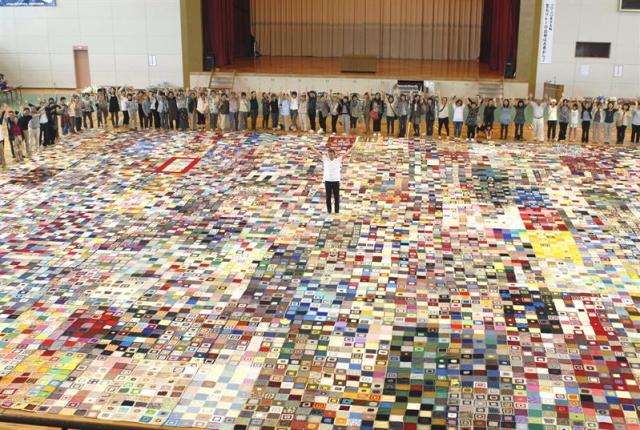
(418, 29)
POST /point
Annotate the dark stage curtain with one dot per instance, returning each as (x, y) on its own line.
(499, 41)
(226, 29)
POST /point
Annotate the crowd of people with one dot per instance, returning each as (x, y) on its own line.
(413, 114)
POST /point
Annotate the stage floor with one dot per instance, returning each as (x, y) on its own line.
(195, 280)
(387, 68)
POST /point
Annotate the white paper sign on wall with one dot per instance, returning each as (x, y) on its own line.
(152, 60)
(617, 71)
(546, 32)
(584, 69)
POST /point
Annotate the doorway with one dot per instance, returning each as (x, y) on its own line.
(81, 62)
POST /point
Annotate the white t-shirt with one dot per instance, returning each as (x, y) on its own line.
(538, 110)
(635, 119)
(443, 111)
(201, 105)
(331, 169)
(293, 103)
(458, 113)
(553, 113)
(575, 117)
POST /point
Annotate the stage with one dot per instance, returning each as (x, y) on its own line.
(277, 74)
(387, 68)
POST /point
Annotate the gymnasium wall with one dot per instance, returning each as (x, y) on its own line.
(593, 21)
(36, 43)
(418, 29)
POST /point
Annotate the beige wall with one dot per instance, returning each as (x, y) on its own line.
(594, 21)
(528, 36)
(36, 43)
(192, 49)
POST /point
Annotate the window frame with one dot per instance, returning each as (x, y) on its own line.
(622, 9)
(591, 56)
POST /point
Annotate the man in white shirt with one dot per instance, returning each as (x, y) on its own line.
(332, 166)
(293, 107)
(538, 120)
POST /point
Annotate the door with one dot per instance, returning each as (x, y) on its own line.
(81, 62)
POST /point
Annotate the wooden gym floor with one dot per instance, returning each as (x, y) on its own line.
(387, 68)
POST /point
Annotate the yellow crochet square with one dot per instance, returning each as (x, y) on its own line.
(553, 245)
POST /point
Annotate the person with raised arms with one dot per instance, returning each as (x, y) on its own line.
(332, 167)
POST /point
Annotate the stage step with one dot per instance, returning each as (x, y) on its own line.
(491, 89)
(222, 80)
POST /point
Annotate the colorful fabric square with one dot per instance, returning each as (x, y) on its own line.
(195, 280)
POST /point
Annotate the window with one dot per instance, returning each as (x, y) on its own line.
(630, 5)
(593, 49)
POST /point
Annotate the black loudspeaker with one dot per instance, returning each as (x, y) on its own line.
(209, 63)
(509, 70)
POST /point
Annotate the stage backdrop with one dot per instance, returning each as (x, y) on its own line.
(418, 29)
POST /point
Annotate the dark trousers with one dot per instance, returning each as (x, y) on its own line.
(156, 119)
(622, 130)
(403, 126)
(332, 189)
(391, 124)
(322, 121)
(563, 131)
(274, 119)
(377, 125)
(78, 123)
(430, 123)
(65, 122)
(416, 128)
(443, 122)
(143, 120)
(254, 119)
(50, 133)
(86, 115)
(183, 119)
(102, 115)
(234, 119)
(354, 122)
(334, 123)
(551, 129)
(519, 131)
(585, 131)
(635, 134)
(471, 131)
(114, 119)
(125, 117)
(457, 129)
(265, 120)
(504, 131)
(312, 120)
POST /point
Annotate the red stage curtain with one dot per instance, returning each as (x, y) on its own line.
(499, 42)
(226, 29)
(243, 44)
